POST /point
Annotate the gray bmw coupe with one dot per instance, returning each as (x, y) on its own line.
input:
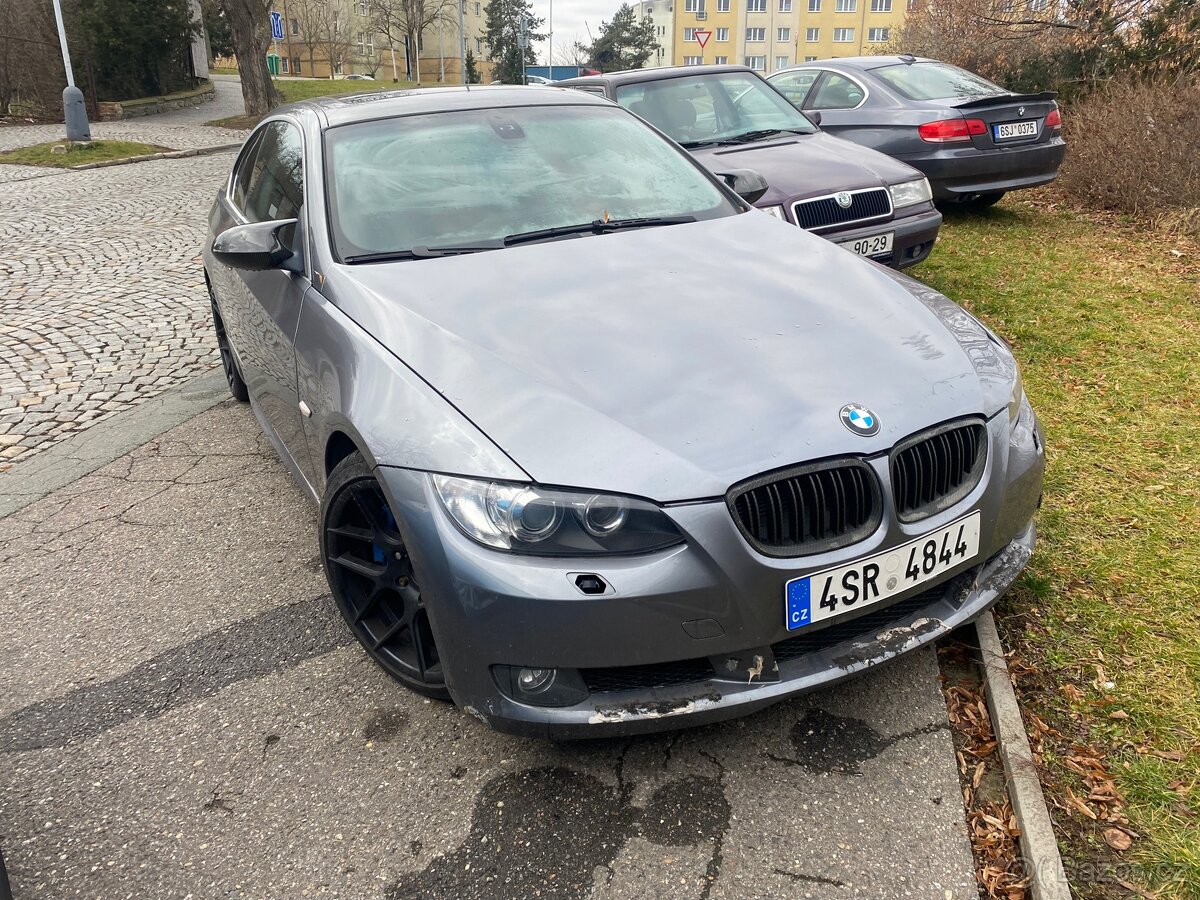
(598, 447)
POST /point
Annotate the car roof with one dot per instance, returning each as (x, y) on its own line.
(865, 63)
(629, 76)
(342, 109)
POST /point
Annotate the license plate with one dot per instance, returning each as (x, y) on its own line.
(874, 579)
(1006, 131)
(874, 245)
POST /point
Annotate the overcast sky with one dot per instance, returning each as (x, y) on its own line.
(569, 19)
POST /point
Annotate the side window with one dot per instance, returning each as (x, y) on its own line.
(272, 185)
(245, 167)
(795, 85)
(837, 92)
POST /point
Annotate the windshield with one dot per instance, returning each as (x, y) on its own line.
(701, 109)
(478, 176)
(936, 81)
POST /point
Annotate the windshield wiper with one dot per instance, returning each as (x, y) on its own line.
(420, 253)
(744, 138)
(748, 136)
(599, 226)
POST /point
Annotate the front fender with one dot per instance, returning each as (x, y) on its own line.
(353, 385)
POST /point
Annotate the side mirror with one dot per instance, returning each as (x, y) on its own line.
(815, 117)
(257, 247)
(746, 183)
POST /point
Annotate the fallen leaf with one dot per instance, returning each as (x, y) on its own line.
(1117, 839)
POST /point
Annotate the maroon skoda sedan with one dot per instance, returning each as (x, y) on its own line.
(732, 120)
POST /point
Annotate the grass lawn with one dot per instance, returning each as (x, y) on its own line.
(1105, 320)
(96, 151)
(307, 88)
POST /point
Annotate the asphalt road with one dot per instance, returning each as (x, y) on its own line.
(183, 714)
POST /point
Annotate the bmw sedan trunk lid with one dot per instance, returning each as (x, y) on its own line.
(672, 362)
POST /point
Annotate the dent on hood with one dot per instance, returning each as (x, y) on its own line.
(992, 361)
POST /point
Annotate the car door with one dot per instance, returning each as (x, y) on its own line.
(840, 100)
(795, 84)
(267, 186)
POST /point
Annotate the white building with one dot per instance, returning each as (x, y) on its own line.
(661, 12)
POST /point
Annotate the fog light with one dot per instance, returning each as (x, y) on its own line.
(540, 687)
(534, 681)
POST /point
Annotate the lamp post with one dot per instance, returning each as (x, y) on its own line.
(74, 109)
(462, 38)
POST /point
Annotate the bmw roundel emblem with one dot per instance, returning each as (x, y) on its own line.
(843, 199)
(860, 420)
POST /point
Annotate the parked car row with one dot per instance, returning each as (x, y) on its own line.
(972, 139)
(729, 118)
(599, 448)
(856, 150)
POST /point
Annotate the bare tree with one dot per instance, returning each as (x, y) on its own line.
(572, 53)
(249, 26)
(388, 22)
(311, 17)
(409, 20)
(31, 71)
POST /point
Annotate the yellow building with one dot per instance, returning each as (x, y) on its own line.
(344, 36)
(769, 35)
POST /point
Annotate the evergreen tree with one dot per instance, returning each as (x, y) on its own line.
(472, 69)
(502, 34)
(623, 43)
(137, 48)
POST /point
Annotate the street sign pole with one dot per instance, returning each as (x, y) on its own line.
(74, 109)
(702, 35)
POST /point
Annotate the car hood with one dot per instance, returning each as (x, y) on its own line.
(808, 165)
(672, 362)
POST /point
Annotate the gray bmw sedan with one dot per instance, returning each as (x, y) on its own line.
(598, 447)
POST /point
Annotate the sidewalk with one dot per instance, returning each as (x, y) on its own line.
(183, 712)
(182, 129)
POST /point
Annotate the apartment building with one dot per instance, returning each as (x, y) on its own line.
(662, 13)
(769, 35)
(342, 37)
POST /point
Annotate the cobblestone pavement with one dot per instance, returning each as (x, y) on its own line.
(182, 129)
(102, 300)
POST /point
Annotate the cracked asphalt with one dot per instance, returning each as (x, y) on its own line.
(183, 714)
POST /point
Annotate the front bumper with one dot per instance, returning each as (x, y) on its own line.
(915, 235)
(712, 600)
(959, 172)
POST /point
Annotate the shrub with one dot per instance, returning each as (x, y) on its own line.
(1132, 147)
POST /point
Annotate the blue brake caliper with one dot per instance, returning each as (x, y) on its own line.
(377, 552)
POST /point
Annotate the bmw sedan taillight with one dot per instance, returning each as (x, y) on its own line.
(1054, 119)
(947, 131)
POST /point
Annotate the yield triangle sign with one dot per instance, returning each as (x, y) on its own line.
(702, 36)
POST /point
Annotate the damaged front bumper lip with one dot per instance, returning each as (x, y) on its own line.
(651, 710)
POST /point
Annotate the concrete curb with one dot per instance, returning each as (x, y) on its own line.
(29, 481)
(1043, 865)
(166, 154)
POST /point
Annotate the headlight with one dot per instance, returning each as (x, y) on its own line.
(911, 192)
(1016, 398)
(529, 519)
(776, 211)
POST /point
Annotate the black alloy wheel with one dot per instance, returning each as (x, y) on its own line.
(5, 889)
(237, 387)
(371, 575)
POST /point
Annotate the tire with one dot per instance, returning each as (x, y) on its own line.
(373, 579)
(233, 375)
(5, 889)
